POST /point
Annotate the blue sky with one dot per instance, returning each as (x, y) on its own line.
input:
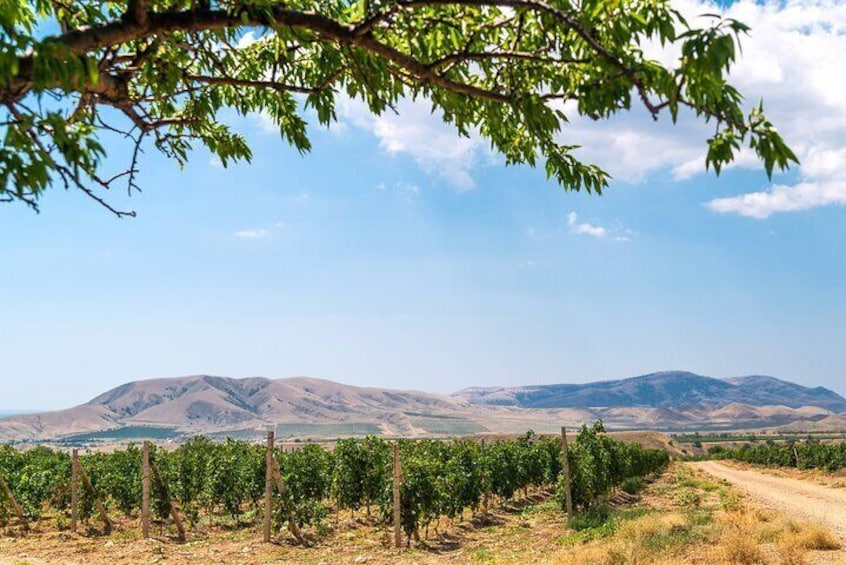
(396, 254)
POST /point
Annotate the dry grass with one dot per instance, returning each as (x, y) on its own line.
(715, 527)
(754, 535)
(814, 537)
(637, 541)
(735, 547)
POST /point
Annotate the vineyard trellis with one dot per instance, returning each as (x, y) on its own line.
(8, 496)
(810, 454)
(241, 482)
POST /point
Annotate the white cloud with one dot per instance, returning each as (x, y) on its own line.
(415, 131)
(265, 123)
(526, 265)
(405, 190)
(822, 183)
(745, 158)
(252, 233)
(246, 40)
(793, 59)
(783, 198)
(583, 227)
(632, 146)
(409, 191)
(615, 233)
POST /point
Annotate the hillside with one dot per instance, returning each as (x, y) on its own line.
(210, 404)
(668, 389)
(305, 407)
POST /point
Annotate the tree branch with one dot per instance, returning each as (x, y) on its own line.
(232, 81)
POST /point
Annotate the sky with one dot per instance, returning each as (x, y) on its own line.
(397, 254)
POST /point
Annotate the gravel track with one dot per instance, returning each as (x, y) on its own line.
(794, 497)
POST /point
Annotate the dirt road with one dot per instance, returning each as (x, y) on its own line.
(794, 497)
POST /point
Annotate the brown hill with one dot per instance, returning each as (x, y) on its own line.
(213, 404)
(305, 407)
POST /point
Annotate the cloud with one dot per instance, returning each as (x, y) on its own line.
(782, 198)
(528, 264)
(793, 61)
(252, 234)
(246, 40)
(822, 183)
(632, 146)
(265, 123)
(405, 190)
(615, 233)
(584, 228)
(417, 132)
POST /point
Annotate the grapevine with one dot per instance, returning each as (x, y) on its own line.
(225, 482)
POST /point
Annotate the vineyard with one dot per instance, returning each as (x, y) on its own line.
(811, 455)
(226, 483)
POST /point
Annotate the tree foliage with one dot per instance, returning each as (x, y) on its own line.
(78, 76)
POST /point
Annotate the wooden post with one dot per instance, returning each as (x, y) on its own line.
(397, 481)
(487, 492)
(565, 461)
(174, 512)
(273, 475)
(283, 491)
(145, 490)
(86, 482)
(268, 487)
(15, 506)
(74, 490)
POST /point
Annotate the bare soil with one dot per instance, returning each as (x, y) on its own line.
(518, 532)
(794, 497)
(811, 497)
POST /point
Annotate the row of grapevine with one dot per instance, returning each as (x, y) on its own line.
(829, 457)
(226, 481)
(599, 463)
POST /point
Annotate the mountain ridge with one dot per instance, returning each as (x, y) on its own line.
(664, 389)
(304, 406)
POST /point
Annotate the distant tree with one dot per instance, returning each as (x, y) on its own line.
(162, 70)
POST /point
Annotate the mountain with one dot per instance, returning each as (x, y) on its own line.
(769, 390)
(667, 389)
(203, 404)
(305, 407)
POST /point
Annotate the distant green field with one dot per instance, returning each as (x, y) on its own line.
(303, 431)
(125, 433)
(430, 415)
(327, 430)
(448, 426)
